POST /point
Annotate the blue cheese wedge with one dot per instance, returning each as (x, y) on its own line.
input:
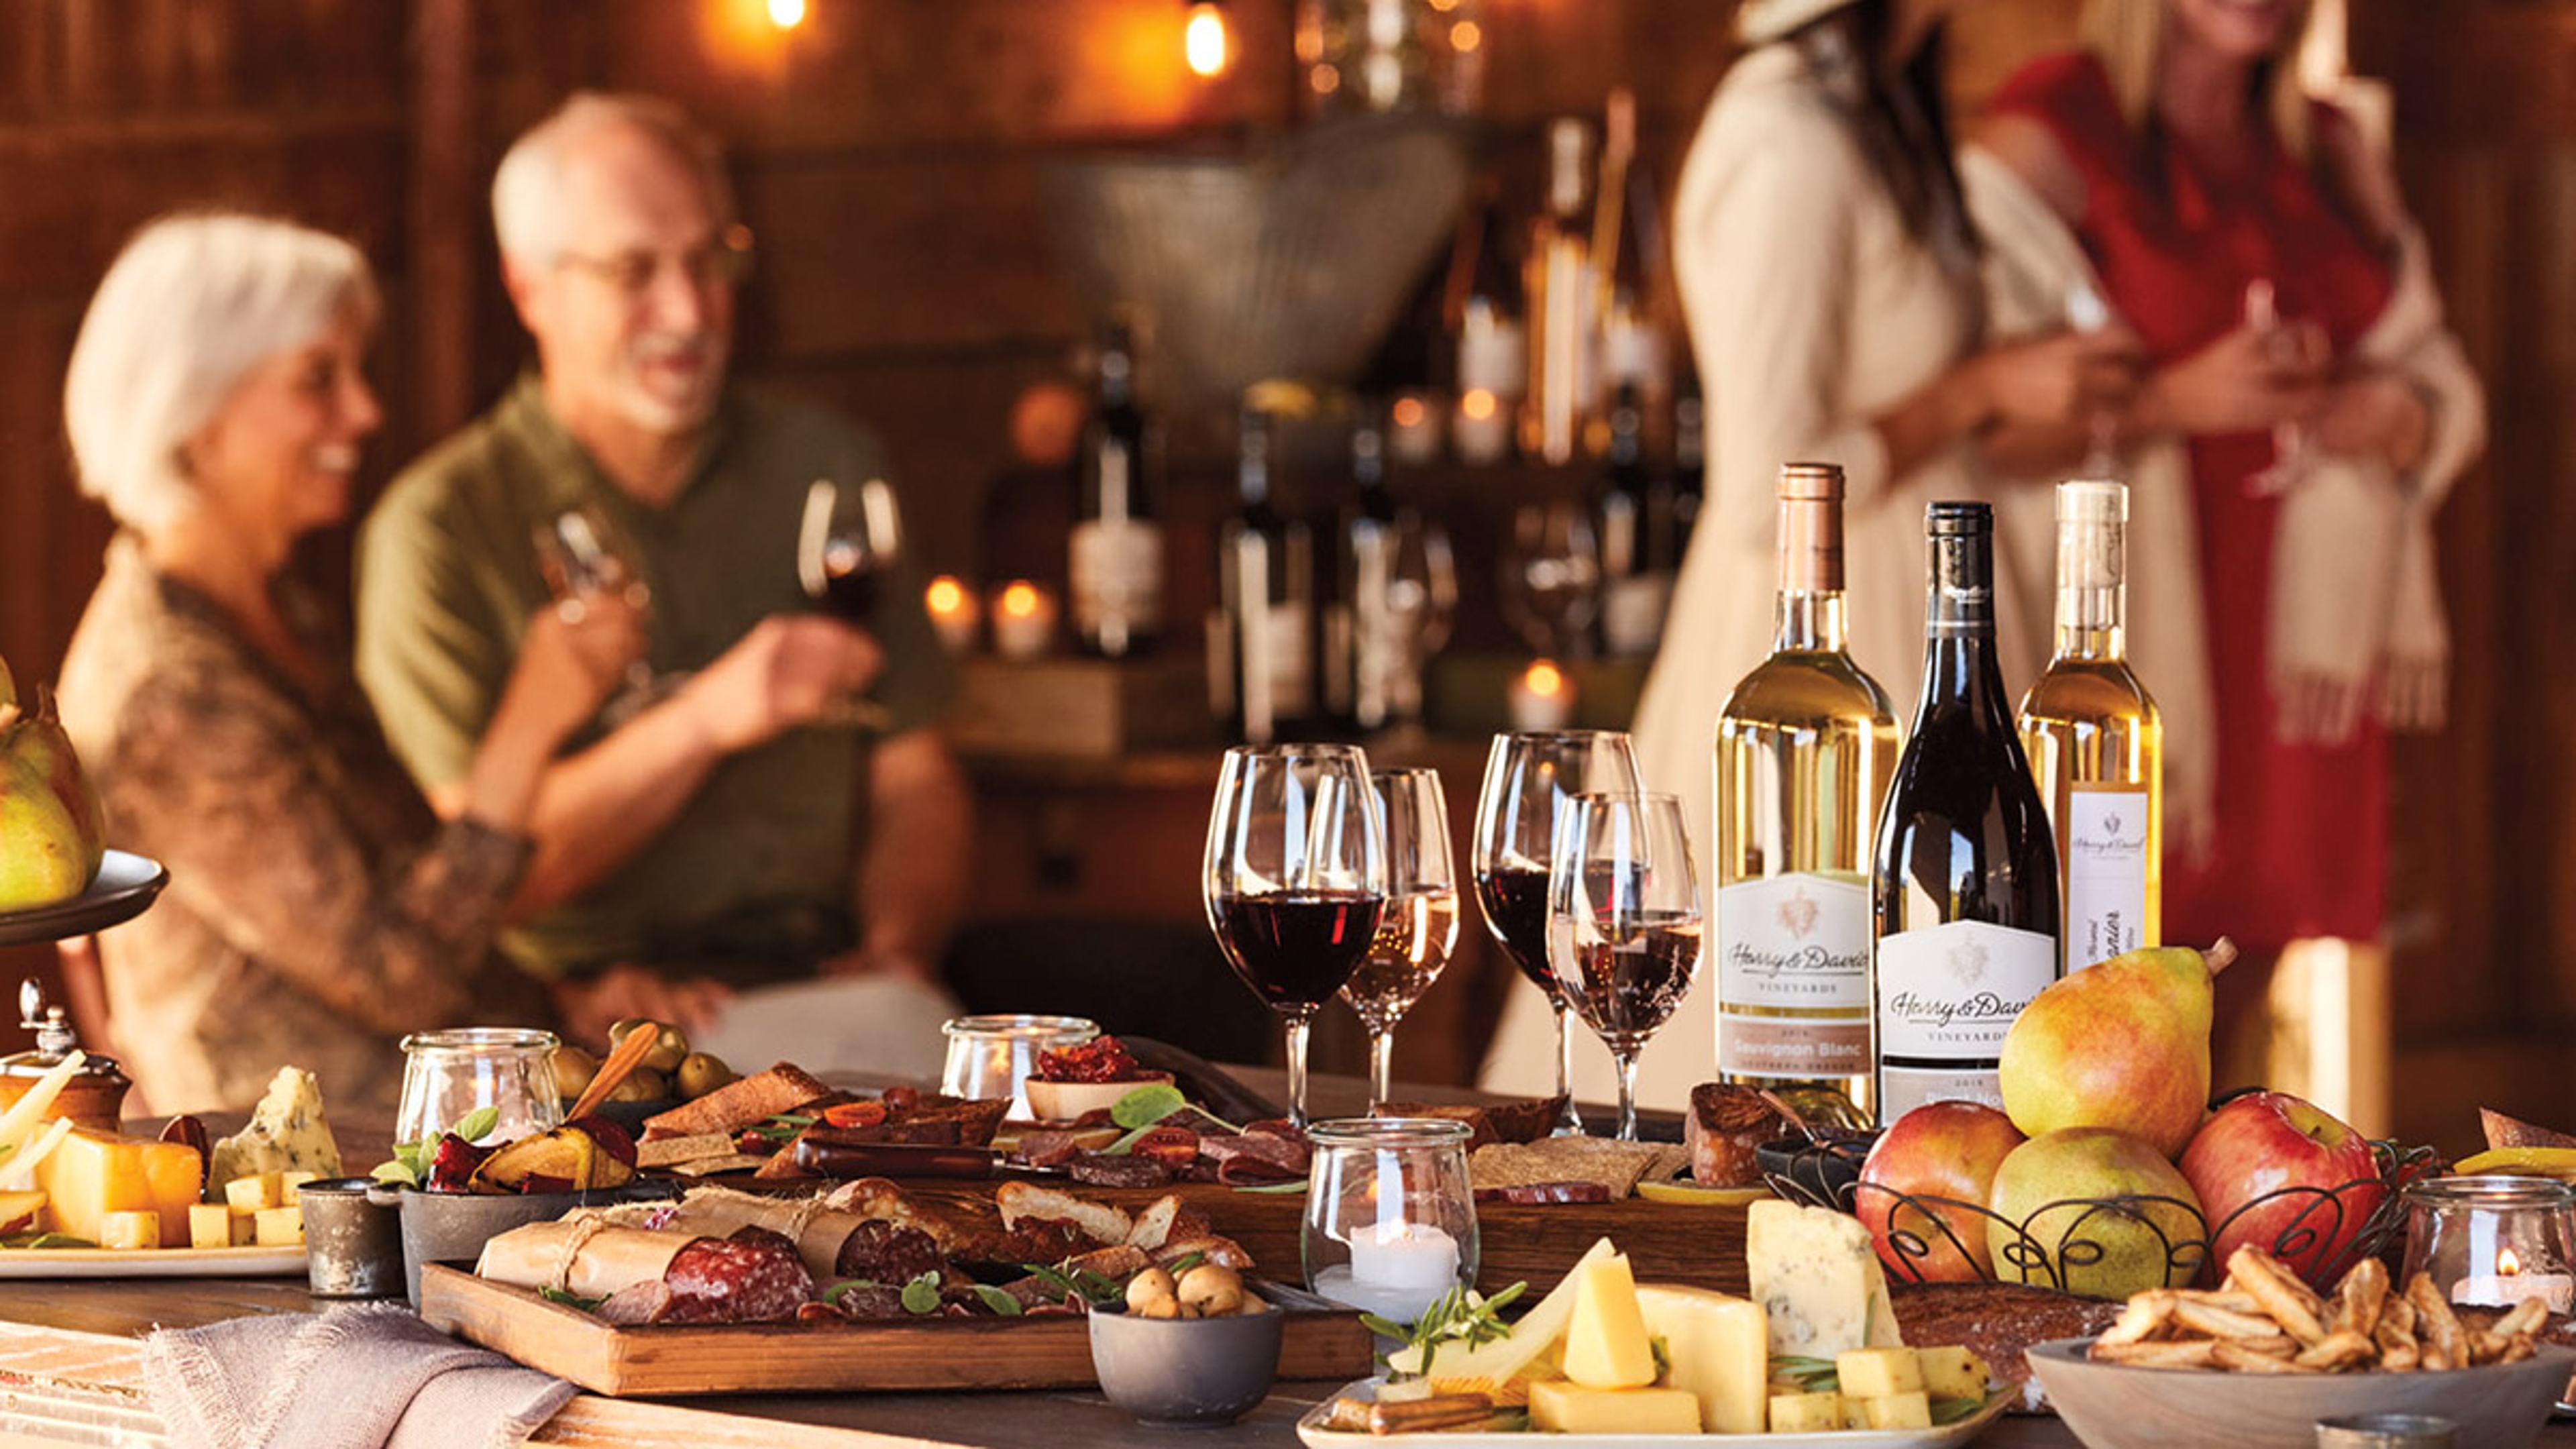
(287, 1133)
(1817, 1278)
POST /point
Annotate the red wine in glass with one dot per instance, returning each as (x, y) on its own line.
(1626, 981)
(1296, 948)
(850, 577)
(1514, 899)
(847, 543)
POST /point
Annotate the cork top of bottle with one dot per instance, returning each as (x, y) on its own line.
(1819, 481)
(2092, 500)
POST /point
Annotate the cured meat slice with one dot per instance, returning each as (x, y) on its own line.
(754, 1276)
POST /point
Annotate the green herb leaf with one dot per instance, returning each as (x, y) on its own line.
(835, 1292)
(568, 1300)
(45, 1240)
(1276, 1189)
(1184, 1263)
(1457, 1316)
(396, 1171)
(1952, 1411)
(921, 1295)
(476, 1125)
(997, 1300)
(1147, 1105)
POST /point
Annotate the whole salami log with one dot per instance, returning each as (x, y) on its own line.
(648, 1276)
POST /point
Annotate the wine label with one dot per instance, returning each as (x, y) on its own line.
(1902, 1089)
(1799, 941)
(1948, 993)
(1115, 571)
(2105, 840)
(1792, 1047)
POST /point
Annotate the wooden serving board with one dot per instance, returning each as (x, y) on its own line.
(1052, 1352)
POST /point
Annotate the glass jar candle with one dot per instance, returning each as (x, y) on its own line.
(2492, 1240)
(448, 1074)
(994, 1056)
(1390, 1219)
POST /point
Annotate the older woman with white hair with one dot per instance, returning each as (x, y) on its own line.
(317, 908)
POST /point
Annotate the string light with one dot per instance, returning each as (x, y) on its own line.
(1204, 40)
(786, 14)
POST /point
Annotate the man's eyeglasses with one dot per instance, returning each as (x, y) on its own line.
(721, 264)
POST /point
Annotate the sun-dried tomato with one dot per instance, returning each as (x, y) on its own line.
(854, 1114)
(900, 1101)
(1102, 1059)
(1174, 1147)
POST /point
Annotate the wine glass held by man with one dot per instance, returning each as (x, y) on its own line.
(216, 403)
(740, 832)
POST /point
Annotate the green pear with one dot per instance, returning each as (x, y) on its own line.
(39, 740)
(2122, 1044)
(42, 859)
(2057, 1221)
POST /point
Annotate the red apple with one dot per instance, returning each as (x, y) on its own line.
(1945, 1150)
(2267, 1143)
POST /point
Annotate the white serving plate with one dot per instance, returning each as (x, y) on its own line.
(1311, 1429)
(151, 1263)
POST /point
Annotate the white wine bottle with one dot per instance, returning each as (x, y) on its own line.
(1965, 879)
(2095, 742)
(1805, 747)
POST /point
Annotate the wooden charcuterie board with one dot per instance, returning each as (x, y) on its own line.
(1052, 1352)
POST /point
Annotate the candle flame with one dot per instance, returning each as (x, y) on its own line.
(1544, 679)
(1465, 36)
(1020, 599)
(1203, 39)
(2507, 1264)
(945, 595)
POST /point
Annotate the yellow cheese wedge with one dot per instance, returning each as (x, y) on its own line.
(92, 1174)
(216, 1225)
(1716, 1348)
(1820, 1413)
(130, 1230)
(1954, 1373)
(1500, 1370)
(1562, 1407)
(1871, 1373)
(279, 1227)
(1605, 1341)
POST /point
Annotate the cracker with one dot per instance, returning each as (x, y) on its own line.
(1618, 1166)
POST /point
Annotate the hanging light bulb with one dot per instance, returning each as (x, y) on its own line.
(786, 14)
(1204, 40)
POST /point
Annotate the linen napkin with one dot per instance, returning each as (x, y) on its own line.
(360, 1376)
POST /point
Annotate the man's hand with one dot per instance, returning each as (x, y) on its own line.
(590, 1007)
(790, 670)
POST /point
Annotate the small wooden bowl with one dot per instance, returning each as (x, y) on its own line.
(1064, 1101)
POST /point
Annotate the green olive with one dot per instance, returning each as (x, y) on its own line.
(573, 1070)
(641, 1085)
(700, 1074)
(671, 1051)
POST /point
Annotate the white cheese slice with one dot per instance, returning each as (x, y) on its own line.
(1817, 1278)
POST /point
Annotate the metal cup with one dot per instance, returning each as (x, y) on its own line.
(2385, 1431)
(352, 1244)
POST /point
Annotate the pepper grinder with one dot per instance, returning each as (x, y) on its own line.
(95, 1095)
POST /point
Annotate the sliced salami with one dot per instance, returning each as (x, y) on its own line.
(1101, 1171)
(1288, 1154)
(886, 1252)
(755, 1276)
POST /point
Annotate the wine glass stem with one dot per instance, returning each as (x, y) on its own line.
(1381, 1065)
(1626, 1057)
(1297, 1070)
(1568, 1121)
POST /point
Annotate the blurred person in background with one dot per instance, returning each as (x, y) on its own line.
(2307, 410)
(317, 909)
(743, 831)
(1830, 279)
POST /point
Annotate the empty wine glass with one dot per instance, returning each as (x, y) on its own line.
(1295, 880)
(1552, 576)
(1419, 926)
(584, 556)
(1528, 777)
(1623, 922)
(849, 542)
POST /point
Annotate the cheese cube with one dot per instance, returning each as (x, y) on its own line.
(279, 1227)
(216, 1225)
(1894, 1411)
(289, 1183)
(1563, 1407)
(1954, 1373)
(1605, 1341)
(1716, 1348)
(1820, 1413)
(287, 1133)
(130, 1230)
(1871, 1373)
(256, 1192)
(91, 1174)
(1816, 1275)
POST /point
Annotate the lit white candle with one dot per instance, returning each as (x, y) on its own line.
(1023, 620)
(1414, 432)
(1398, 1268)
(1540, 697)
(2508, 1285)
(952, 612)
(1491, 373)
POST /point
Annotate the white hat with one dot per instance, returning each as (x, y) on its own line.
(1759, 21)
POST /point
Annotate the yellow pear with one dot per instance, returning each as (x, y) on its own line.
(39, 740)
(42, 860)
(2123, 1044)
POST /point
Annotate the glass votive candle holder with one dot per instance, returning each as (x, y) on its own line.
(2492, 1241)
(994, 1056)
(1390, 1218)
(449, 1074)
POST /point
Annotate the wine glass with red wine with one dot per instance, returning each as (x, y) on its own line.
(1295, 880)
(1528, 777)
(1623, 922)
(1419, 926)
(848, 545)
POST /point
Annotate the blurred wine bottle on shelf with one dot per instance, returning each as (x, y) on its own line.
(1965, 876)
(1559, 291)
(1396, 590)
(1260, 643)
(1483, 312)
(1115, 551)
(1639, 535)
(1690, 465)
(1628, 258)
(2096, 741)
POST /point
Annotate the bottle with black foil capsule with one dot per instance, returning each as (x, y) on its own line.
(1356, 637)
(1964, 884)
(2096, 741)
(1805, 748)
(1261, 642)
(1114, 575)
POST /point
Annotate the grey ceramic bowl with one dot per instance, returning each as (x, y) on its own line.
(451, 1227)
(2124, 1406)
(1198, 1372)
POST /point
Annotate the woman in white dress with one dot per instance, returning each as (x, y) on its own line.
(1830, 279)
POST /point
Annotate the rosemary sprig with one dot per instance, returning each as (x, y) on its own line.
(1460, 1315)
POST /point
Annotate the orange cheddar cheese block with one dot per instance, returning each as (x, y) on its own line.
(91, 1174)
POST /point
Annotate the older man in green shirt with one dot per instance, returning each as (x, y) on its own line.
(744, 824)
